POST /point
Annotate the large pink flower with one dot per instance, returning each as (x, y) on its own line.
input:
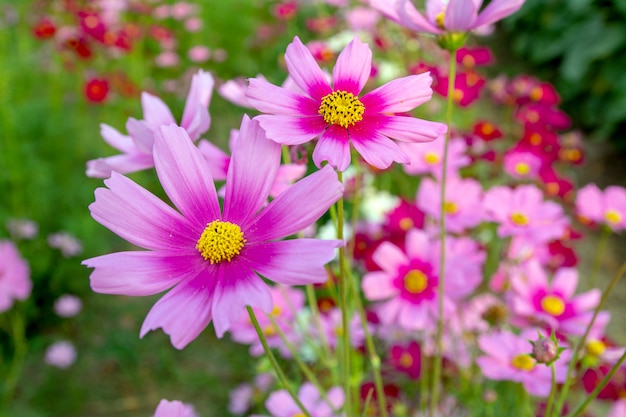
(136, 147)
(211, 256)
(608, 207)
(337, 115)
(446, 15)
(15, 281)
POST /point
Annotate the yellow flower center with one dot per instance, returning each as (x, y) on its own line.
(523, 362)
(341, 108)
(596, 347)
(298, 415)
(269, 330)
(431, 158)
(439, 20)
(613, 216)
(220, 241)
(553, 305)
(406, 360)
(519, 219)
(522, 168)
(450, 207)
(415, 281)
(406, 223)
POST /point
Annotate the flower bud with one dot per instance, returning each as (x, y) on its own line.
(545, 350)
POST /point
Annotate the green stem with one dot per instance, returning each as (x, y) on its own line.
(599, 388)
(312, 300)
(343, 303)
(277, 369)
(434, 400)
(552, 391)
(19, 342)
(574, 359)
(303, 366)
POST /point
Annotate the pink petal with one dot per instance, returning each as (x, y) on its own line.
(417, 244)
(196, 119)
(414, 20)
(297, 208)
(292, 262)
(268, 98)
(155, 112)
(122, 164)
(114, 138)
(217, 159)
(376, 149)
(184, 175)
(389, 257)
(305, 71)
(385, 7)
(280, 404)
(141, 273)
(251, 173)
(142, 136)
(460, 15)
(333, 147)
(353, 67)
(587, 301)
(290, 130)
(136, 215)
(405, 128)
(378, 285)
(237, 287)
(184, 312)
(496, 10)
(565, 281)
(400, 95)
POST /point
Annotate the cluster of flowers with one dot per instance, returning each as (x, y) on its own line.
(471, 266)
(82, 31)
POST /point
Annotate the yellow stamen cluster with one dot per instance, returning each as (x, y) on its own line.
(596, 347)
(415, 281)
(220, 241)
(341, 108)
(523, 362)
(450, 207)
(613, 216)
(406, 223)
(522, 168)
(553, 305)
(406, 360)
(431, 158)
(519, 219)
(440, 20)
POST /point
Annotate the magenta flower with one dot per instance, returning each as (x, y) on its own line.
(174, 409)
(15, 281)
(211, 257)
(605, 208)
(137, 148)
(507, 358)
(534, 301)
(337, 115)
(446, 15)
(523, 212)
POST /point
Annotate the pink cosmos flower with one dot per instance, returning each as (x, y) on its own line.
(605, 208)
(280, 403)
(408, 281)
(211, 257)
(287, 302)
(337, 115)
(463, 206)
(66, 243)
(174, 409)
(522, 165)
(68, 305)
(523, 212)
(507, 358)
(137, 148)
(332, 327)
(446, 16)
(428, 157)
(15, 281)
(535, 301)
(61, 354)
(22, 228)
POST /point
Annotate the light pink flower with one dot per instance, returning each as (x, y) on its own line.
(428, 157)
(174, 409)
(536, 301)
(608, 207)
(22, 228)
(522, 165)
(137, 148)
(66, 243)
(446, 16)
(61, 354)
(287, 303)
(507, 358)
(332, 326)
(15, 281)
(280, 403)
(408, 282)
(362, 18)
(463, 208)
(337, 115)
(523, 212)
(68, 305)
(199, 53)
(618, 409)
(193, 24)
(211, 257)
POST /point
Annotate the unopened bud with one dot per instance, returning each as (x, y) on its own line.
(545, 350)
